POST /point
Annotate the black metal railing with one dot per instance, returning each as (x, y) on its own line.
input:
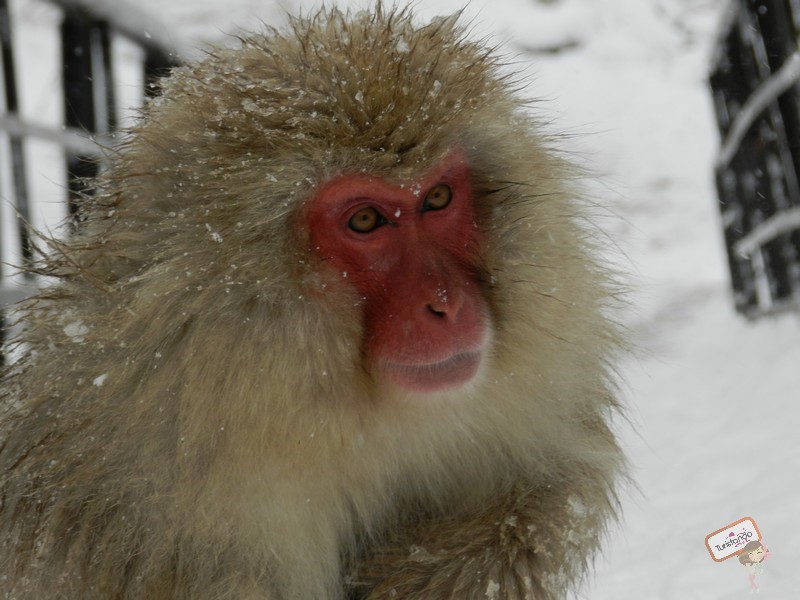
(88, 29)
(755, 84)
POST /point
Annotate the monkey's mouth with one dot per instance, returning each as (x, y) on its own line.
(448, 374)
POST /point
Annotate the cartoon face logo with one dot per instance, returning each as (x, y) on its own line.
(753, 554)
(756, 555)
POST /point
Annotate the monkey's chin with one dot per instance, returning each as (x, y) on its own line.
(447, 375)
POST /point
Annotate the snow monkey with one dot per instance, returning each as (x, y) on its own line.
(331, 326)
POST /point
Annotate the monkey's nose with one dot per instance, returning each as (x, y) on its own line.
(445, 303)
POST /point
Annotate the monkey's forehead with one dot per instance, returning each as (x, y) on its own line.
(369, 82)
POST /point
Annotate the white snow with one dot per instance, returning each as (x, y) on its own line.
(215, 236)
(713, 399)
(75, 330)
(492, 590)
(402, 46)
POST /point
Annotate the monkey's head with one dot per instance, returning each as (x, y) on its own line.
(375, 187)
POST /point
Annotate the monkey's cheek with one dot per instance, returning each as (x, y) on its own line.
(448, 375)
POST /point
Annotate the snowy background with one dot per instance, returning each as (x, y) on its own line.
(714, 400)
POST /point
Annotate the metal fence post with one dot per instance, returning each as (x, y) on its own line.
(755, 84)
(87, 29)
(18, 171)
(88, 92)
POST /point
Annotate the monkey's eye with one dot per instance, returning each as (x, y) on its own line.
(365, 220)
(438, 197)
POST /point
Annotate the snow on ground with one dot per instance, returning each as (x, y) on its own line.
(713, 399)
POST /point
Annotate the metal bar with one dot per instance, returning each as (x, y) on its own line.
(12, 294)
(131, 22)
(98, 58)
(74, 140)
(89, 103)
(5, 47)
(156, 65)
(10, 85)
(779, 306)
(779, 224)
(18, 170)
(105, 67)
(82, 76)
(76, 39)
(768, 92)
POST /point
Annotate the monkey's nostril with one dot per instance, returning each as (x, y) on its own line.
(439, 312)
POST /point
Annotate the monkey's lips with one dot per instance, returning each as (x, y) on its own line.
(448, 374)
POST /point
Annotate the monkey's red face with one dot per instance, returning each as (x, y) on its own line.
(410, 250)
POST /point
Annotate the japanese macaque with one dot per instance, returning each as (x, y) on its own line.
(332, 326)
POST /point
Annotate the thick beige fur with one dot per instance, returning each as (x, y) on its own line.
(189, 417)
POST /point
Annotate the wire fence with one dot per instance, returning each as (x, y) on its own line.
(88, 30)
(755, 84)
